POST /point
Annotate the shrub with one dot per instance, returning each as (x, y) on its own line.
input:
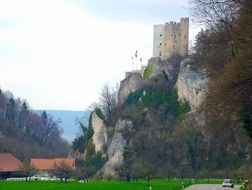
(176, 107)
(160, 100)
(99, 113)
(94, 162)
(90, 150)
(134, 97)
(90, 131)
(147, 72)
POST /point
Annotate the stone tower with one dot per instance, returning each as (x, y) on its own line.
(171, 38)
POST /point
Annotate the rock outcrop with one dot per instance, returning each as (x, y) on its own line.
(100, 137)
(192, 84)
(115, 150)
(130, 84)
(158, 66)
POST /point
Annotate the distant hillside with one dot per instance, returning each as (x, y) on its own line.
(26, 133)
(68, 124)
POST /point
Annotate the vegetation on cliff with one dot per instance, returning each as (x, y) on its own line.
(210, 141)
(147, 72)
(225, 50)
(161, 100)
(93, 161)
(166, 138)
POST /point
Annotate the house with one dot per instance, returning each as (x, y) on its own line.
(42, 164)
(9, 165)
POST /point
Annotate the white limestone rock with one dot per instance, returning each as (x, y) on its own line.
(131, 83)
(100, 137)
(159, 67)
(192, 84)
(115, 150)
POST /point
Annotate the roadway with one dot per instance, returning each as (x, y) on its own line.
(211, 187)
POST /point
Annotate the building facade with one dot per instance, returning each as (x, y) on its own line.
(171, 38)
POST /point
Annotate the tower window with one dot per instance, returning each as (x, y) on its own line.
(160, 53)
(160, 44)
(160, 35)
(185, 36)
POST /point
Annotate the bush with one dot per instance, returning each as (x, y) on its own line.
(134, 97)
(99, 113)
(90, 131)
(184, 108)
(160, 100)
(93, 163)
(147, 72)
(90, 149)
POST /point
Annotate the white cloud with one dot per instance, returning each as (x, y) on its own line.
(58, 56)
(63, 55)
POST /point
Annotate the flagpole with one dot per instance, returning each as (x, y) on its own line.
(136, 59)
(132, 63)
(136, 64)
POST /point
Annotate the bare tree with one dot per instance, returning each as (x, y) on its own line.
(108, 100)
(216, 14)
(63, 171)
(28, 170)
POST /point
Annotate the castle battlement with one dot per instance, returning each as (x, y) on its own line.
(171, 38)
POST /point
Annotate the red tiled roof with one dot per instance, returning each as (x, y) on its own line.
(50, 164)
(68, 161)
(9, 163)
(42, 164)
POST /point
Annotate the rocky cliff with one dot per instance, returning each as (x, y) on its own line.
(130, 84)
(158, 66)
(100, 137)
(192, 84)
(115, 149)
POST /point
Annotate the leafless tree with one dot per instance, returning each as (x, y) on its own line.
(108, 100)
(215, 13)
(63, 171)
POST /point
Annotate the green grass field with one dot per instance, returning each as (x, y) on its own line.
(171, 184)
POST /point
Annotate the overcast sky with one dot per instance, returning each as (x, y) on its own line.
(57, 54)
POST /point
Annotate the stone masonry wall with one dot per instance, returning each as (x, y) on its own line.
(171, 38)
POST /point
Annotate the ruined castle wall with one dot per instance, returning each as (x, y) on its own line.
(184, 30)
(171, 38)
(157, 40)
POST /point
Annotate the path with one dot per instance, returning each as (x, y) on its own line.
(211, 187)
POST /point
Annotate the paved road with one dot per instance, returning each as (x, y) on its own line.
(211, 187)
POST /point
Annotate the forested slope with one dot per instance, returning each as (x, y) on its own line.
(27, 134)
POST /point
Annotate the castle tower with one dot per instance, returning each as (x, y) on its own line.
(171, 38)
